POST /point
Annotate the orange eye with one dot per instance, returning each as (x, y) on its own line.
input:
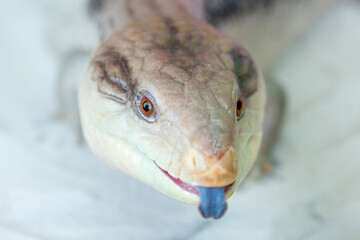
(239, 107)
(146, 106)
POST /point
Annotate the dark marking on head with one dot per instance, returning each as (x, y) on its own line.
(114, 76)
(218, 10)
(244, 71)
(173, 42)
(177, 48)
(123, 64)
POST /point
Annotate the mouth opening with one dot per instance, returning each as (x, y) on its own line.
(187, 186)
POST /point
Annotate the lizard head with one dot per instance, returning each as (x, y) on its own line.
(176, 104)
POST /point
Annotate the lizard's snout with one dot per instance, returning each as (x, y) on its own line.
(209, 171)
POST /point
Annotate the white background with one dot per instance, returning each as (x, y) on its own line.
(52, 187)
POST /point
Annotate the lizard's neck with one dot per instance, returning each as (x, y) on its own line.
(113, 15)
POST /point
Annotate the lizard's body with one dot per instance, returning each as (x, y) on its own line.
(206, 96)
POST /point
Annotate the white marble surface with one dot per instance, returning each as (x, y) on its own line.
(52, 187)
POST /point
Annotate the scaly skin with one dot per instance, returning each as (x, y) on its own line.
(194, 75)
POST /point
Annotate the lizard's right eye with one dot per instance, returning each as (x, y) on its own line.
(145, 106)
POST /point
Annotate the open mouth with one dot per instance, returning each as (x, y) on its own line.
(188, 187)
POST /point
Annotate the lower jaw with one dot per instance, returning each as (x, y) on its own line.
(189, 187)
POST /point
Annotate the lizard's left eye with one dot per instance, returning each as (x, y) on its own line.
(145, 106)
(239, 107)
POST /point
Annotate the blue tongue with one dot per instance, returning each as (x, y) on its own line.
(212, 202)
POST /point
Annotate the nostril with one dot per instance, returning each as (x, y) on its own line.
(193, 162)
(197, 161)
(222, 154)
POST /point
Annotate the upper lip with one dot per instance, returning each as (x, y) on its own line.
(187, 186)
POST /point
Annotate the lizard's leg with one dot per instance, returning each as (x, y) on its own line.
(274, 116)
